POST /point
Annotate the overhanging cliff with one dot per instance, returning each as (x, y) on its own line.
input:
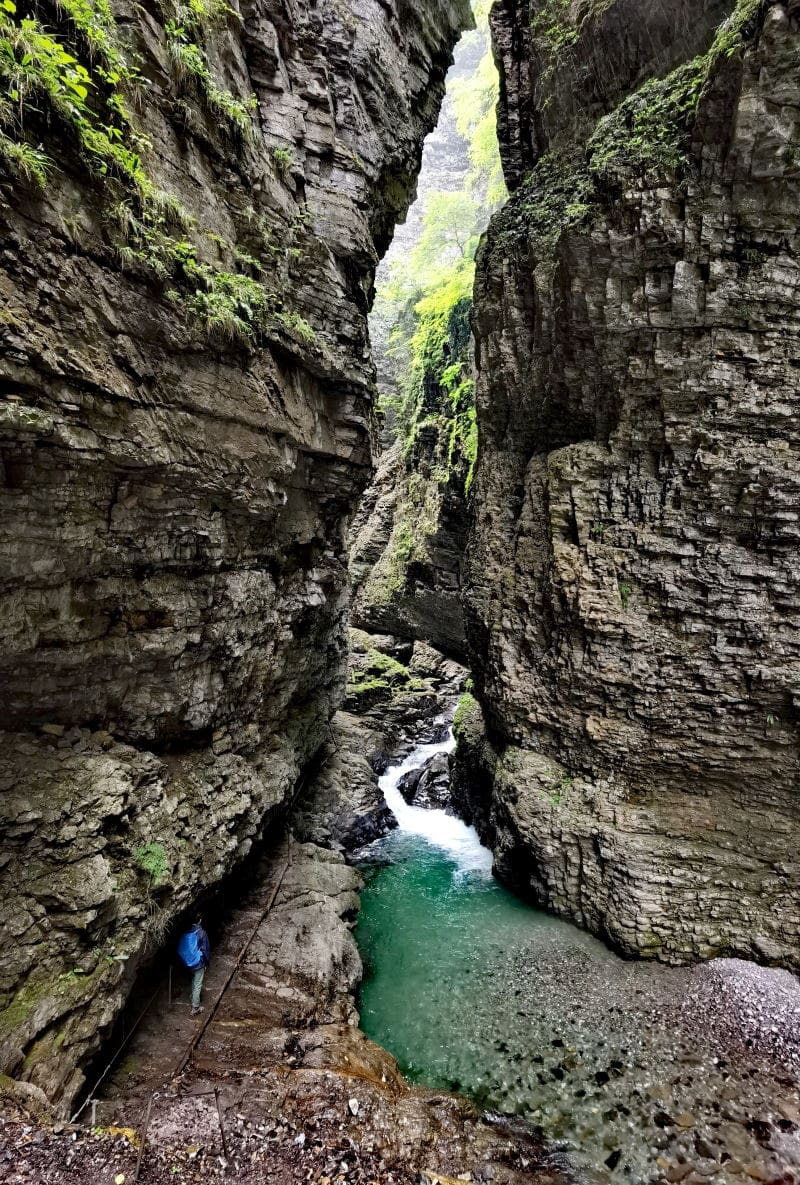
(195, 199)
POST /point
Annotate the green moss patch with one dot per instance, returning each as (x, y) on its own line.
(648, 134)
(376, 677)
(69, 77)
(467, 710)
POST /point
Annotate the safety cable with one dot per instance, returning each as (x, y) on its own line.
(207, 1021)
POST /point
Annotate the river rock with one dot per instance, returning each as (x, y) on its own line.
(790, 1111)
(428, 786)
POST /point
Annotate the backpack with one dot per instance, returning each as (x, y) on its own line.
(189, 950)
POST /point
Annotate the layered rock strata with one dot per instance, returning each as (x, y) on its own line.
(632, 595)
(407, 543)
(184, 429)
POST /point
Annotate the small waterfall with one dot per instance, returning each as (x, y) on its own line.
(441, 830)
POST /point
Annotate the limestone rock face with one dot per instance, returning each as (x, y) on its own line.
(344, 807)
(407, 544)
(632, 594)
(174, 489)
(558, 76)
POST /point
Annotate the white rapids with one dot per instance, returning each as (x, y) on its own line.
(441, 830)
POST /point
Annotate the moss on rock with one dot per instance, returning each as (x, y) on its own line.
(648, 134)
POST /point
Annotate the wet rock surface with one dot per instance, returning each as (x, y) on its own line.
(428, 786)
(104, 847)
(631, 599)
(302, 1093)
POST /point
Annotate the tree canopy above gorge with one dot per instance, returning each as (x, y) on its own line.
(428, 296)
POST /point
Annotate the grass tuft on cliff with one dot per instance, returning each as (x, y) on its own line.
(72, 78)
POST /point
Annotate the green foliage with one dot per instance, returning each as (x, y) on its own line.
(41, 75)
(555, 789)
(229, 304)
(625, 591)
(151, 858)
(733, 33)
(95, 21)
(35, 64)
(475, 104)
(552, 26)
(186, 25)
(449, 236)
(283, 159)
(190, 63)
(377, 676)
(388, 578)
(80, 78)
(647, 132)
(438, 389)
(233, 305)
(440, 362)
(558, 195)
(556, 26)
(202, 14)
(428, 298)
(296, 325)
(384, 664)
(30, 164)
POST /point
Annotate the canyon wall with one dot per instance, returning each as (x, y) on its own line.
(190, 239)
(632, 596)
(409, 535)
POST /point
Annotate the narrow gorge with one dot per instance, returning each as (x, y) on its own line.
(400, 500)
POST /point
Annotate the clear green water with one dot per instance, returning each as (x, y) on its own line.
(436, 942)
(474, 991)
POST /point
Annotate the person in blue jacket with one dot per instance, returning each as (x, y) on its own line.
(195, 953)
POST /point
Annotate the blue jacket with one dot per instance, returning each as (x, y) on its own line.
(202, 942)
